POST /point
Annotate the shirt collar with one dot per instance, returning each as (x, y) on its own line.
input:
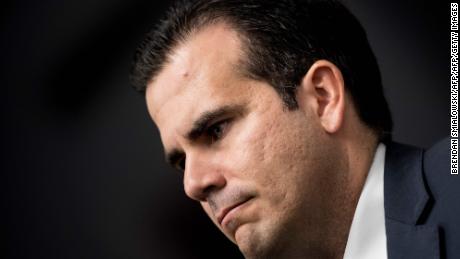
(367, 236)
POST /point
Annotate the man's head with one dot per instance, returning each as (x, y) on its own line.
(272, 109)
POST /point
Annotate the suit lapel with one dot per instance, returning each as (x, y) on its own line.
(406, 200)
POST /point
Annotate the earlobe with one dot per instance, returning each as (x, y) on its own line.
(322, 90)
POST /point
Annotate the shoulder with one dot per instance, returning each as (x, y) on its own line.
(436, 165)
(444, 189)
(438, 155)
(421, 191)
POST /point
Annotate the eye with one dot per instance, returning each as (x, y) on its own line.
(180, 164)
(216, 131)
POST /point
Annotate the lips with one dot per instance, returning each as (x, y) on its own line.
(221, 215)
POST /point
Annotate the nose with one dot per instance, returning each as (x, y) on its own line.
(201, 177)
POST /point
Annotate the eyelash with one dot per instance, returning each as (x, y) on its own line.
(215, 136)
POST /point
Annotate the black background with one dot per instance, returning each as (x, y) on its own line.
(82, 167)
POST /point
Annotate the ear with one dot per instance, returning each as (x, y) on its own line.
(322, 91)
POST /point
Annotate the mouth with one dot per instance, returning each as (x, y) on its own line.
(227, 210)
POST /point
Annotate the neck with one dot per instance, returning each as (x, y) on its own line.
(360, 150)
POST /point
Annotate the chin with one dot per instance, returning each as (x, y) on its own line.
(249, 241)
(255, 241)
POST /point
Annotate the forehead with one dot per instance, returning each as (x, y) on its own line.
(200, 74)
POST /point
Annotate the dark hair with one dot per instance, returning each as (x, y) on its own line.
(282, 39)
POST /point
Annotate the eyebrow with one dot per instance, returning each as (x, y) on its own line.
(207, 117)
(200, 125)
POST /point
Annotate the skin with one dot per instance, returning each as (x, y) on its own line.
(288, 180)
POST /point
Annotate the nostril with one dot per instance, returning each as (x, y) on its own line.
(205, 192)
(208, 190)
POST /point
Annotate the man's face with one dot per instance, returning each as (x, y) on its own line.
(260, 172)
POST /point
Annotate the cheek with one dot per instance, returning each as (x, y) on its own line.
(248, 153)
(287, 160)
(269, 150)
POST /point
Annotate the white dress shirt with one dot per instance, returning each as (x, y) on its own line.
(367, 238)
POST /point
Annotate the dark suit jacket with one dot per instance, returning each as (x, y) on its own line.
(422, 202)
